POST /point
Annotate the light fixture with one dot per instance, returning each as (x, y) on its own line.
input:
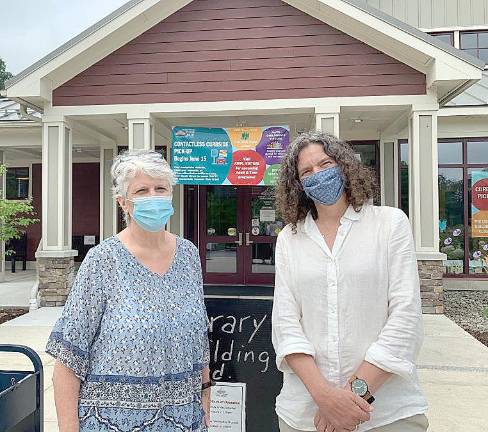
(78, 150)
(357, 120)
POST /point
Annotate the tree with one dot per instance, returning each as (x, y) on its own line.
(15, 216)
(4, 75)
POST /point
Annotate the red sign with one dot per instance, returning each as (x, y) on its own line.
(247, 168)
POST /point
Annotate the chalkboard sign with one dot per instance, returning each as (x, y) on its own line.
(241, 351)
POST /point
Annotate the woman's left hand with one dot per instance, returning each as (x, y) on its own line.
(321, 424)
(206, 406)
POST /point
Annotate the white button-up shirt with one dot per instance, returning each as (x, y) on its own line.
(360, 301)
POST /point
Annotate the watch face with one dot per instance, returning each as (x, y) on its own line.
(359, 387)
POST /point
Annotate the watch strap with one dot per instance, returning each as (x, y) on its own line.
(368, 397)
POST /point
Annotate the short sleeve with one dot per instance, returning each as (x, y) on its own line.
(76, 329)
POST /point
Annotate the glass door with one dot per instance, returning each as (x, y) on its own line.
(220, 234)
(238, 227)
(263, 225)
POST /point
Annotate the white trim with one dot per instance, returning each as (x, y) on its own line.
(454, 28)
(464, 111)
(431, 256)
(396, 173)
(457, 39)
(334, 115)
(249, 107)
(19, 124)
(415, 191)
(44, 195)
(69, 173)
(100, 193)
(67, 253)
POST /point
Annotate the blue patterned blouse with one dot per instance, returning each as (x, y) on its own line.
(137, 340)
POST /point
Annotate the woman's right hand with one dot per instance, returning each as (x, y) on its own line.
(343, 409)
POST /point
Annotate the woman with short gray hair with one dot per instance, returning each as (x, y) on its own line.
(131, 345)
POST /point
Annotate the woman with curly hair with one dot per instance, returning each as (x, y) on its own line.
(347, 314)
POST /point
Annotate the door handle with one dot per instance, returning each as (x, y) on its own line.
(248, 242)
(239, 242)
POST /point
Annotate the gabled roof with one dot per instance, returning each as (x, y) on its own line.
(407, 28)
(10, 111)
(72, 42)
(447, 69)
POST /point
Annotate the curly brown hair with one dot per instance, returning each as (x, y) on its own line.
(291, 201)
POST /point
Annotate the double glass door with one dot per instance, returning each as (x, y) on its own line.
(238, 226)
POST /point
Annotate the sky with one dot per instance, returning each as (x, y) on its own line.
(30, 29)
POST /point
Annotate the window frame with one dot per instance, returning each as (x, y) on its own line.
(442, 33)
(465, 166)
(29, 180)
(477, 33)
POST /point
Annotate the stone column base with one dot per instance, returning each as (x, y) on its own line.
(431, 286)
(56, 277)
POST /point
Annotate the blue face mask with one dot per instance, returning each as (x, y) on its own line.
(326, 186)
(152, 213)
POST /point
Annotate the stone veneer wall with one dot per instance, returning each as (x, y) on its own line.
(56, 276)
(431, 286)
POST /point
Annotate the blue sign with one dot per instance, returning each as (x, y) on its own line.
(201, 155)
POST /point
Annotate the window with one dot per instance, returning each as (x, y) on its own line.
(463, 224)
(475, 43)
(17, 183)
(447, 37)
(403, 176)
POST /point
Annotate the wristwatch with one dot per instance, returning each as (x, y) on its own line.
(360, 387)
(208, 384)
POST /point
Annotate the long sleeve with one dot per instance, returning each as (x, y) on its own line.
(399, 341)
(76, 329)
(287, 333)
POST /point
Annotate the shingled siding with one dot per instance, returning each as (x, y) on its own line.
(216, 50)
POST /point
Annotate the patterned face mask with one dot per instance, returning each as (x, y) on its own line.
(326, 186)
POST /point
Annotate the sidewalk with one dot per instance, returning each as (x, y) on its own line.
(453, 369)
(15, 290)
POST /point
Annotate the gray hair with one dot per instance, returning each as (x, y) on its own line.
(129, 164)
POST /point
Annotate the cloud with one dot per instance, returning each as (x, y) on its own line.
(31, 28)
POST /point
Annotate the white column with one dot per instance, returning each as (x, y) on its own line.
(328, 121)
(108, 207)
(423, 184)
(56, 189)
(3, 195)
(388, 182)
(141, 133)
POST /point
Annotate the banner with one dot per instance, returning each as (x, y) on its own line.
(231, 156)
(479, 206)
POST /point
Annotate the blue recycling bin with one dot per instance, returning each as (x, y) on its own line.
(21, 394)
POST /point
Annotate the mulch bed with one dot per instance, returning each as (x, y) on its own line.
(468, 310)
(7, 314)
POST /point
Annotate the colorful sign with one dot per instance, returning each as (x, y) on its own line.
(232, 156)
(479, 206)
